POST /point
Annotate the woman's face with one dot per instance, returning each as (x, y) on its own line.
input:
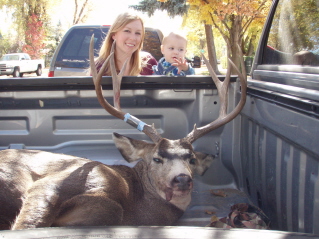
(129, 38)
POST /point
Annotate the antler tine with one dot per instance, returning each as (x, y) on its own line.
(150, 131)
(116, 79)
(222, 88)
(97, 77)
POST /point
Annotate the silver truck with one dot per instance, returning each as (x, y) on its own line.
(268, 156)
(16, 64)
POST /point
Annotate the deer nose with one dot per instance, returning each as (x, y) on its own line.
(183, 182)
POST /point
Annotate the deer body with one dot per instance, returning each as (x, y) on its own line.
(42, 189)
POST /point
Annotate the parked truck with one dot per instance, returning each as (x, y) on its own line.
(268, 156)
(16, 64)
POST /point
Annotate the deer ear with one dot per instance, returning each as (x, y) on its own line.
(131, 149)
(204, 160)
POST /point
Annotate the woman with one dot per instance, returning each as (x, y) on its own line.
(128, 31)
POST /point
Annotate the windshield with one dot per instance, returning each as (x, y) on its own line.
(10, 58)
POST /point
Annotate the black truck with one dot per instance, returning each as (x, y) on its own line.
(268, 156)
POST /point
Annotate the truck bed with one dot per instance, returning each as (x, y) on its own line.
(258, 158)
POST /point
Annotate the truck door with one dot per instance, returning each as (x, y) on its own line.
(281, 118)
(28, 63)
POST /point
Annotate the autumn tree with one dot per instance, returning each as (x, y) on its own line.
(35, 19)
(28, 15)
(195, 35)
(191, 19)
(232, 18)
(34, 37)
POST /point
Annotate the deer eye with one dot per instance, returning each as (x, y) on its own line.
(157, 160)
(192, 161)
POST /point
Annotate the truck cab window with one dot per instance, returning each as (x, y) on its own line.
(294, 36)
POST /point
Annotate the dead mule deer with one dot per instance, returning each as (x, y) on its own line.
(42, 189)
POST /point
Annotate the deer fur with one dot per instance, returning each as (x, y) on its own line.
(42, 189)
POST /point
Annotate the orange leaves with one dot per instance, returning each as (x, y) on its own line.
(223, 9)
(202, 10)
(34, 37)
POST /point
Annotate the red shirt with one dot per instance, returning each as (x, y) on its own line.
(146, 70)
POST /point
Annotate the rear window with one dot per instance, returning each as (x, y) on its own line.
(294, 36)
(74, 52)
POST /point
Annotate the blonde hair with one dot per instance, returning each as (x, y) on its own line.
(120, 22)
(172, 34)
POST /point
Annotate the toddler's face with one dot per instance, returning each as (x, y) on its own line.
(174, 48)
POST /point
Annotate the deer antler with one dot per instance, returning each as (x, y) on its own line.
(222, 88)
(116, 111)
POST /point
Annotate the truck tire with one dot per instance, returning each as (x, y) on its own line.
(39, 70)
(16, 72)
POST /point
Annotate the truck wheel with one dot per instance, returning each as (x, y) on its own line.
(16, 72)
(21, 74)
(39, 71)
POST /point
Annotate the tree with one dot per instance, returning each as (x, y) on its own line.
(195, 36)
(28, 15)
(172, 7)
(204, 33)
(7, 45)
(80, 13)
(34, 37)
(232, 18)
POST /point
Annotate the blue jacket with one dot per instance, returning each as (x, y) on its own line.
(165, 68)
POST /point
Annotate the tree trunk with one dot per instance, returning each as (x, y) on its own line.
(75, 11)
(79, 17)
(251, 48)
(211, 48)
(235, 41)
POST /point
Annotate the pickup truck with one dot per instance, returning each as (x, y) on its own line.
(268, 156)
(17, 64)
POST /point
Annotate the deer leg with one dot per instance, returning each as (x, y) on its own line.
(95, 209)
(10, 203)
(39, 207)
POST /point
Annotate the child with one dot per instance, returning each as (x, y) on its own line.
(173, 63)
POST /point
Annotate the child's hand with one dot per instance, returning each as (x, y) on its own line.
(181, 64)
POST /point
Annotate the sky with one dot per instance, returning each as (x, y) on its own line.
(105, 11)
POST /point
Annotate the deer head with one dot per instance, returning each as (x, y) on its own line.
(170, 164)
